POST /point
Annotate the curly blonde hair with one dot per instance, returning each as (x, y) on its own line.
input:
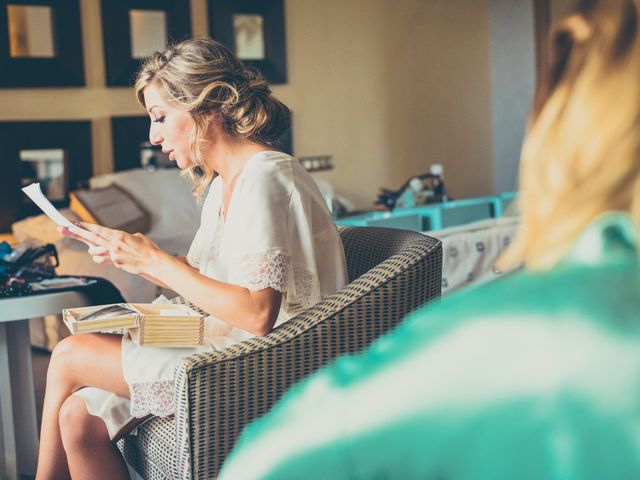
(202, 77)
(581, 155)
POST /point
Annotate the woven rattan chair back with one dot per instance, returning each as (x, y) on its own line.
(392, 272)
(367, 247)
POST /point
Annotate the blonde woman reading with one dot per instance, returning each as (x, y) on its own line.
(266, 249)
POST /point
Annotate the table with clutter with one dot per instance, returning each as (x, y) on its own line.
(30, 289)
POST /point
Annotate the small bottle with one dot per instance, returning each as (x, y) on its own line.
(439, 190)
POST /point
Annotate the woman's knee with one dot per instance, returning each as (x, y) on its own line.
(61, 357)
(64, 350)
(64, 357)
(78, 428)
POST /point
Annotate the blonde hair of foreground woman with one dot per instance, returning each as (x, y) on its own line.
(202, 77)
(581, 156)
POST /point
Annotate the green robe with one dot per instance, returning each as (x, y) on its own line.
(534, 376)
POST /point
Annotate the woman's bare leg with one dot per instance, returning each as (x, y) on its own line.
(77, 361)
(85, 437)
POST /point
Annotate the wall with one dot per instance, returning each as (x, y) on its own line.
(512, 84)
(387, 87)
(390, 87)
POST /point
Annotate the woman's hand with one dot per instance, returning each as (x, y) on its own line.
(133, 253)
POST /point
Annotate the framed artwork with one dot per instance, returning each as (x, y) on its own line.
(131, 147)
(56, 154)
(127, 134)
(254, 31)
(40, 44)
(133, 29)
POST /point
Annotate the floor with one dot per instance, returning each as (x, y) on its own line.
(40, 360)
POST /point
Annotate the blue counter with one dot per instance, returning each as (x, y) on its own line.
(436, 216)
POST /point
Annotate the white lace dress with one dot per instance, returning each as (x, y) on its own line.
(278, 233)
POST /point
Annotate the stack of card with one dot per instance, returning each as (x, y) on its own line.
(147, 324)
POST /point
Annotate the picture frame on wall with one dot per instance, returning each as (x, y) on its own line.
(254, 30)
(40, 44)
(131, 147)
(133, 29)
(57, 154)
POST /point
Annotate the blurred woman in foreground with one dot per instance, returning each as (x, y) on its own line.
(534, 376)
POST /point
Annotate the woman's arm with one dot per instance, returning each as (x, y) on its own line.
(254, 311)
(155, 281)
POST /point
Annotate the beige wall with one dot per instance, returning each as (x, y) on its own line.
(386, 86)
(513, 74)
(389, 87)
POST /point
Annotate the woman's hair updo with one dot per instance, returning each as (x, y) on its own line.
(202, 77)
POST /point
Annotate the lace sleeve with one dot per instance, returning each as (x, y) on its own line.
(263, 270)
(275, 270)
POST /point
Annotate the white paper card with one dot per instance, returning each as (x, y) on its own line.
(178, 312)
(34, 193)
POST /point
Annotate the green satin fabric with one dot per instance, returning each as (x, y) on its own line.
(534, 376)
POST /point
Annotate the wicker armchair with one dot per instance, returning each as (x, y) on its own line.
(391, 271)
